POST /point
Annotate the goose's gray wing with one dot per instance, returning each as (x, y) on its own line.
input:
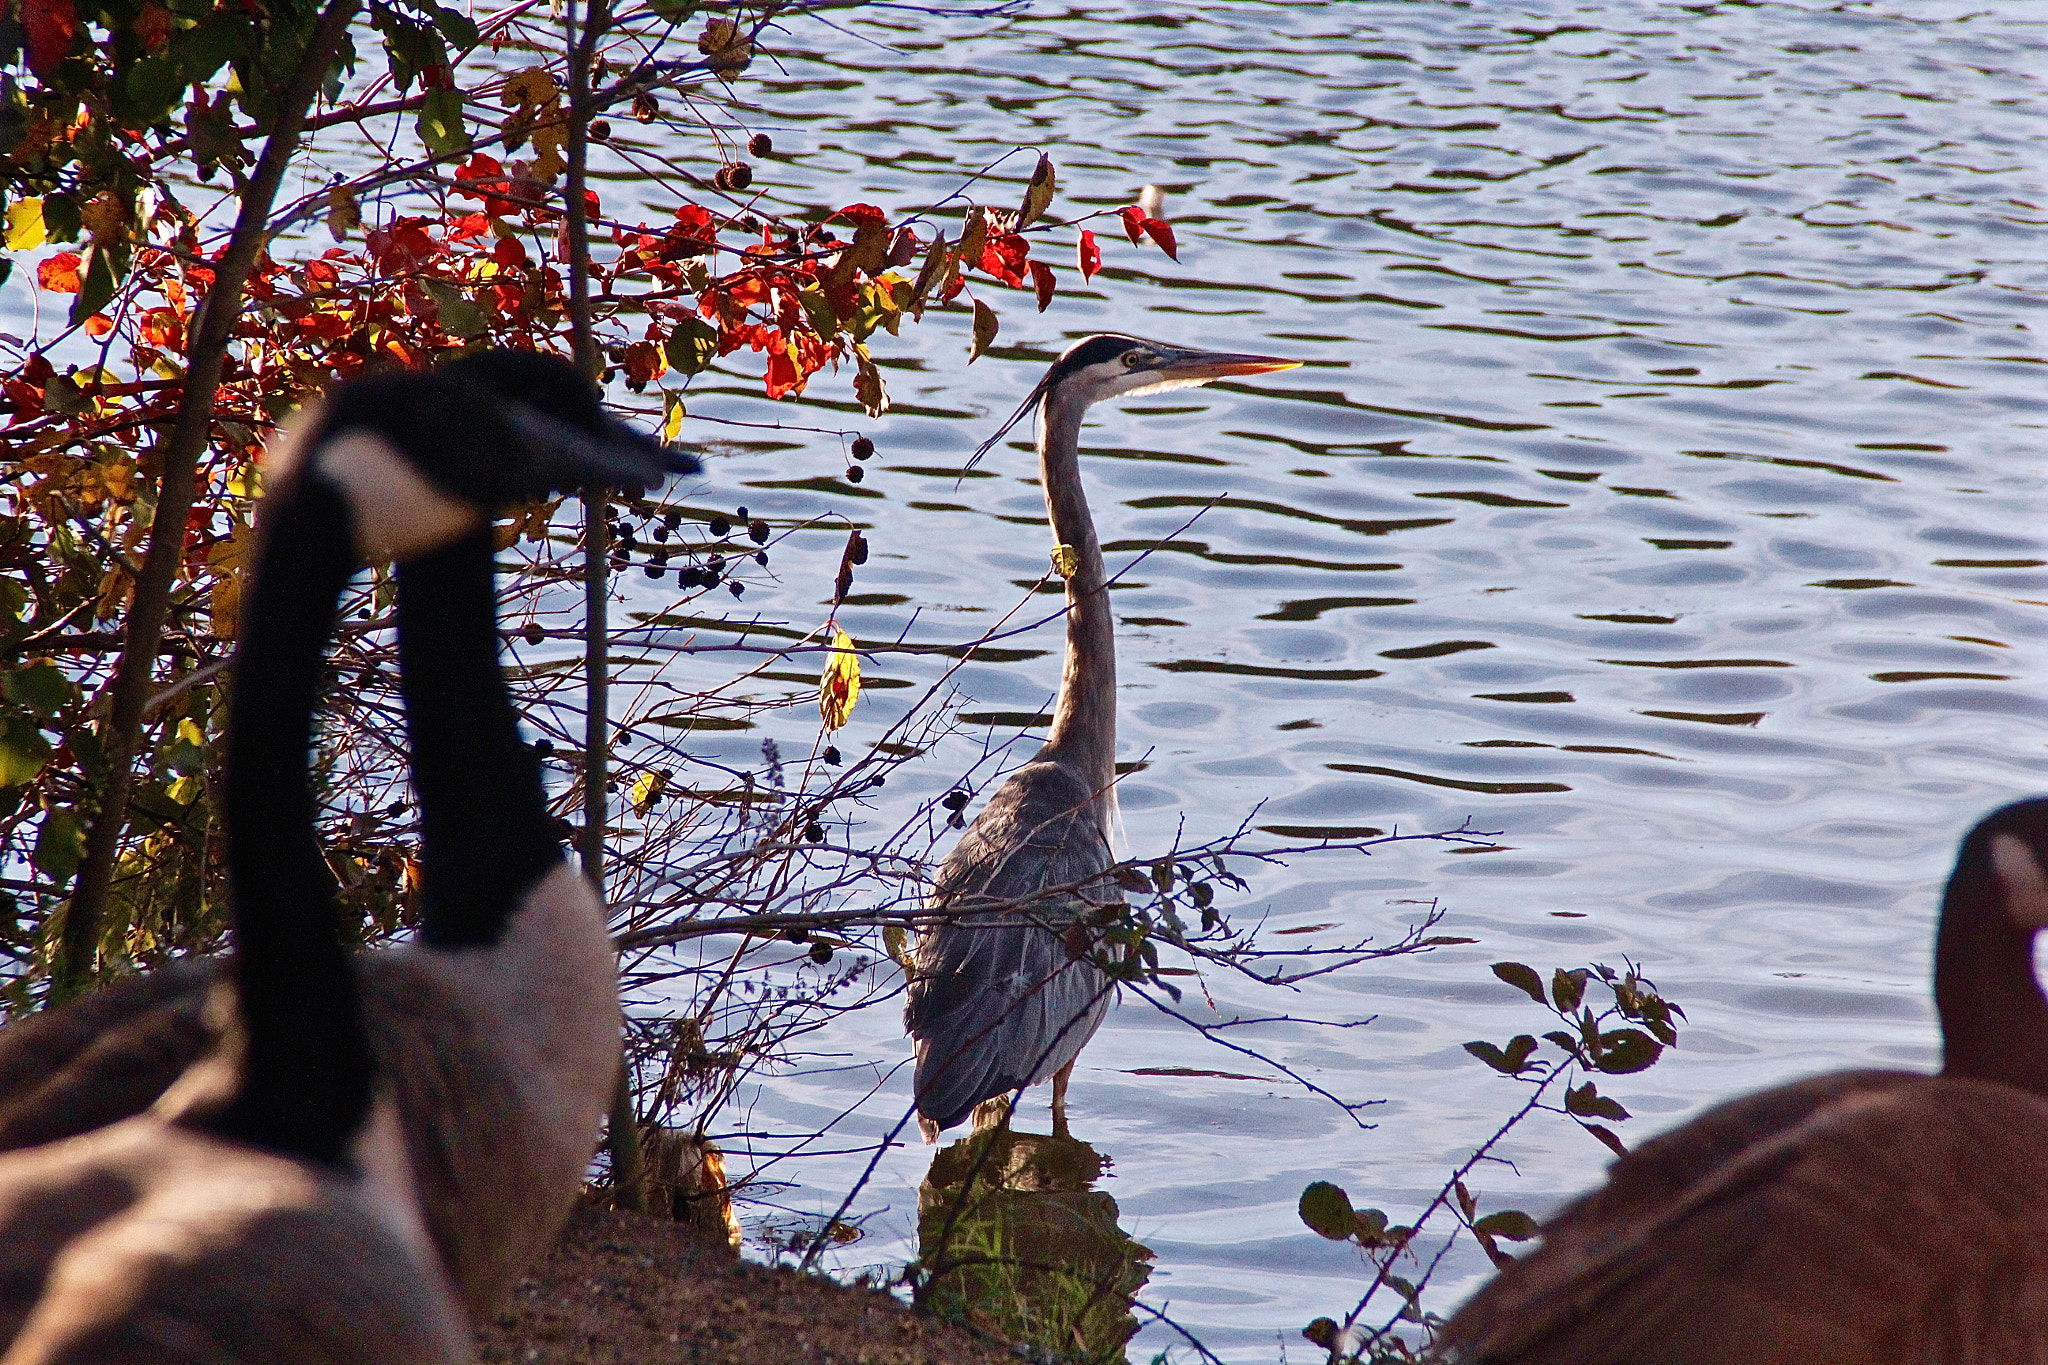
(996, 1000)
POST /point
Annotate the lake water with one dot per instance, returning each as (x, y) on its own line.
(1678, 362)
(1661, 491)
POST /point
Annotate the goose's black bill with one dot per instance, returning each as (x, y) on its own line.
(565, 457)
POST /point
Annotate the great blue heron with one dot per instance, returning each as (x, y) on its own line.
(997, 1000)
(351, 1158)
(1848, 1219)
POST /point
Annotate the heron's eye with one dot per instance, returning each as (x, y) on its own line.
(1130, 360)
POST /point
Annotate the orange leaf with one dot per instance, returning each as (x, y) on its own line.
(98, 325)
(1042, 281)
(59, 274)
(162, 329)
(1090, 254)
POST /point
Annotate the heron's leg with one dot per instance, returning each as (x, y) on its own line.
(1059, 1100)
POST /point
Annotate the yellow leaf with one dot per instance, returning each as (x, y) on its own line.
(671, 418)
(227, 560)
(189, 731)
(185, 790)
(1038, 194)
(893, 942)
(647, 789)
(839, 687)
(25, 231)
(1065, 562)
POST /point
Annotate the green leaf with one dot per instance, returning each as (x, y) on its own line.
(1522, 979)
(1588, 1102)
(1327, 1211)
(1369, 1226)
(60, 843)
(152, 90)
(1627, 1049)
(1612, 1143)
(457, 27)
(440, 121)
(1512, 1224)
(39, 686)
(97, 283)
(691, 346)
(1509, 1061)
(23, 750)
(60, 217)
(1567, 988)
(460, 314)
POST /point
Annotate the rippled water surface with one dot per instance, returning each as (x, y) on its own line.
(1661, 491)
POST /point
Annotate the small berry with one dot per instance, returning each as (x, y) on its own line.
(863, 448)
(757, 532)
(796, 935)
(831, 756)
(543, 746)
(600, 130)
(877, 780)
(396, 807)
(854, 473)
(760, 144)
(736, 588)
(738, 176)
(821, 953)
(661, 534)
(534, 634)
(761, 558)
(719, 526)
(653, 571)
(955, 800)
(672, 519)
(815, 832)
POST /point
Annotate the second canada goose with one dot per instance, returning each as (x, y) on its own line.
(368, 1150)
(1848, 1219)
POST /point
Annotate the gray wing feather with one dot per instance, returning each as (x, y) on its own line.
(995, 1002)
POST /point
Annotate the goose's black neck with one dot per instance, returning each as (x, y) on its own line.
(485, 830)
(1994, 1018)
(305, 1086)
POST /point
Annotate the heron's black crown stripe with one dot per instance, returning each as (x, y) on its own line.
(1093, 351)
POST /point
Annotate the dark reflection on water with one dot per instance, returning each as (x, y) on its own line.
(1685, 355)
(1016, 1239)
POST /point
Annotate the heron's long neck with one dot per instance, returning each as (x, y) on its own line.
(486, 836)
(305, 1084)
(1084, 720)
(1994, 1020)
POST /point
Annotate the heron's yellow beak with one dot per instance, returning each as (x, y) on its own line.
(1206, 365)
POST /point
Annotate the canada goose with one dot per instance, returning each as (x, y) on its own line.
(353, 1157)
(1848, 1219)
(996, 999)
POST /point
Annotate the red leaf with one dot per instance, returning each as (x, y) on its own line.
(1004, 258)
(696, 221)
(59, 274)
(783, 376)
(49, 25)
(1042, 281)
(862, 215)
(1091, 255)
(98, 325)
(1162, 234)
(1134, 223)
(509, 251)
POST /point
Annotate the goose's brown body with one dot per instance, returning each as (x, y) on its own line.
(1847, 1219)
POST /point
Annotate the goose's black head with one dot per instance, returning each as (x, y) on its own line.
(423, 457)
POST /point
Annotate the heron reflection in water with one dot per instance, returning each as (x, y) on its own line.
(1016, 1240)
(1005, 998)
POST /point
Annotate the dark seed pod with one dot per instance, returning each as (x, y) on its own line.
(654, 571)
(739, 514)
(722, 178)
(736, 588)
(661, 555)
(863, 448)
(757, 531)
(815, 832)
(661, 534)
(854, 473)
(543, 746)
(831, 756)
(761, 558)
(599, 130)
(957, 820)
(860, 551)
(878, 781)
(821, 953)
(796, 935)
(534, 634)
(955, 800)
(760, 144)
(739, 175)
(645, 108)
(719, 526)
(672, 519)
(716, 563)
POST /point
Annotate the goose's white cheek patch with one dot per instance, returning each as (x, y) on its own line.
(398, 514)
(2021, 878)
